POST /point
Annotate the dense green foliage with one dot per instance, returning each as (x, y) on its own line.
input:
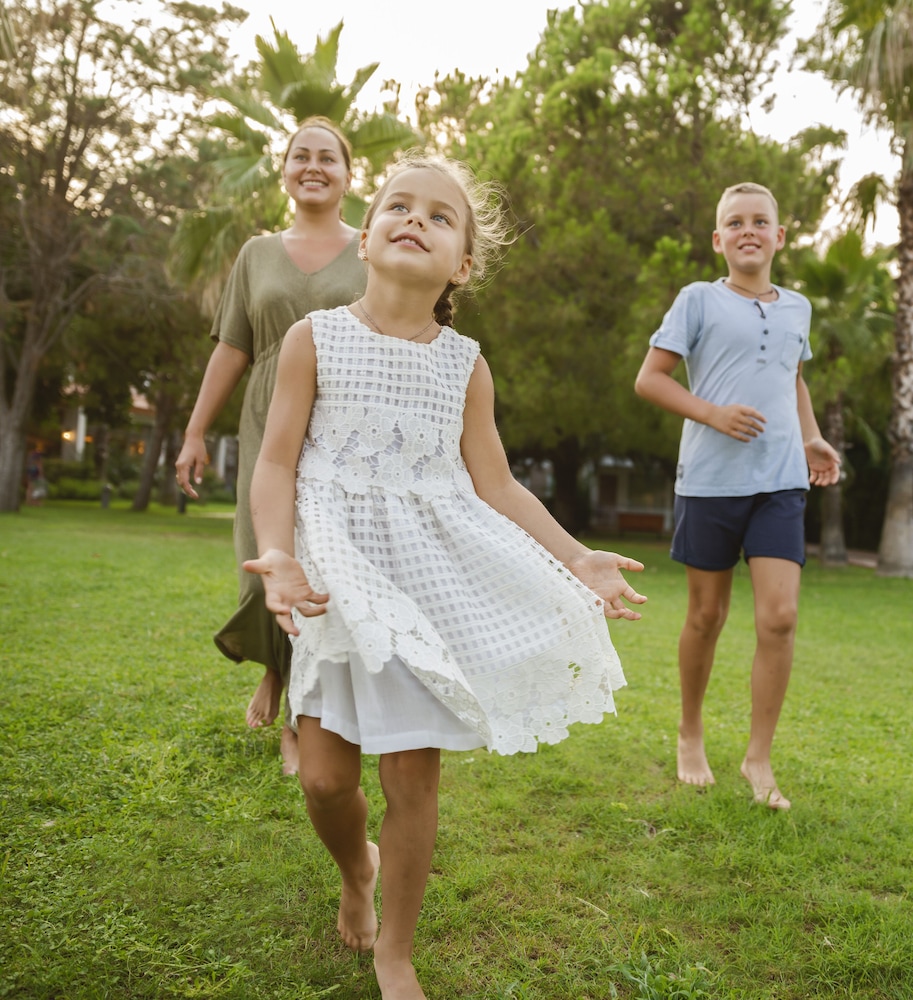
(614, 145)
(152, 849)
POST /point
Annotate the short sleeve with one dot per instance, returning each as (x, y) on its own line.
(232, 323)
(682, 324)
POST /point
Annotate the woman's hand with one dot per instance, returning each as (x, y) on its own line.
(190, 464)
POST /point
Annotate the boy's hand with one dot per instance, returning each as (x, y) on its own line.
(601, 572)
(823, 462)
(740, 422)
(286, 587)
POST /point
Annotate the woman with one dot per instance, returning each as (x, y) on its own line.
(277, 279)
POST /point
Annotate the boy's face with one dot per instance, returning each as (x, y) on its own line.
(749, 233)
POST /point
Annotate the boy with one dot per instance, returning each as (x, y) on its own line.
(749, 450)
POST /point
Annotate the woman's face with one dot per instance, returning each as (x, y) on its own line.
(315, 172)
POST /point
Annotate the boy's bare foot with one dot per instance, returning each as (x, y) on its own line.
(357, 922)
(693, 768)
(764, 785)
(288, 750)
(396, 978)
(264, 706)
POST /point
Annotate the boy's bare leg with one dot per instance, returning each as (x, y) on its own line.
(264, 706)
(330, 775)
(708, 606)
(776, 595)
(410, 783)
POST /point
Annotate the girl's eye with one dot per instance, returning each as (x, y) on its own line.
(398, 206)
(440, 217)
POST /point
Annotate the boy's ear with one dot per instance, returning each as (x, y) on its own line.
(781, 237)
(715, 240)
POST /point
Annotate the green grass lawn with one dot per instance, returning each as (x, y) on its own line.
(149, 846)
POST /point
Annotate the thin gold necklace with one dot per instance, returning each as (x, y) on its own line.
(373, 323)
(750, 291)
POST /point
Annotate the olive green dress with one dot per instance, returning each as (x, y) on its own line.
(266, 293)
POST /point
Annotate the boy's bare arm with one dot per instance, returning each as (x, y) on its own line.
(655, 383)
(823, 460)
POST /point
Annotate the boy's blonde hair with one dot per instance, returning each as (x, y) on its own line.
(746, 187)
(487, 227)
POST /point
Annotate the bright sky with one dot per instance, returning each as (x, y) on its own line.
(413, 39)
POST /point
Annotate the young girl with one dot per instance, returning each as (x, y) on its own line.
(434, 603)
(276, 279)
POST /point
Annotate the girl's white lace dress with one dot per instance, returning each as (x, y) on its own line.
(447, 626)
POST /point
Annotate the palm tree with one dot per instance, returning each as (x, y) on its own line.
(867, 46)
(279, 90)
(849, 290)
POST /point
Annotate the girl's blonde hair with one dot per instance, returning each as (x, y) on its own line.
(488, 230)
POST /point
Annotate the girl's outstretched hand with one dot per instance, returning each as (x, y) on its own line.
(601, 572)
(286, 587)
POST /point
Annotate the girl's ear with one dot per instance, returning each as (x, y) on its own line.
(362, 245)
(461, 275)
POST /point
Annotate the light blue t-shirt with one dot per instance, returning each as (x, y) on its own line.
(740, 350)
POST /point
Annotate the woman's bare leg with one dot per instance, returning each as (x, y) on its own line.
(410, 783)
(264, 705)
(330, 775)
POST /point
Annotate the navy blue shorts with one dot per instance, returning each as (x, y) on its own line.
(712, 532)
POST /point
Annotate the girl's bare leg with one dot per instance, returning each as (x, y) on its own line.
(330, 775)
(410, 783)
(776, 596)
(708, 606)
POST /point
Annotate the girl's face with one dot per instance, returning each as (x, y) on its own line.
(315, 172)
(419, 227)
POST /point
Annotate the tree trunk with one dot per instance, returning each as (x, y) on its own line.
(164, 412)
(895, 553)
(168, 490)
(12, 429)
(566, 465)
(833, 540)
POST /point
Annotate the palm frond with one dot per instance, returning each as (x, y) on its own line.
(305, 97)
(360, 79)
(326, 53)
(248, 106)
(378, 136)
(239, 128)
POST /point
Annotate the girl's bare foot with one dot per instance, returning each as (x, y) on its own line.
(288, 750)
(357, 922)
(693, 768)
(396, 977)
(264, 706)
(764, 785)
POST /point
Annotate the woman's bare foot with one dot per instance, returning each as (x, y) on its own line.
(264, 706)
(357, 922)
(693, 768)
(396, 977)
(764, 785)
(288, 751)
